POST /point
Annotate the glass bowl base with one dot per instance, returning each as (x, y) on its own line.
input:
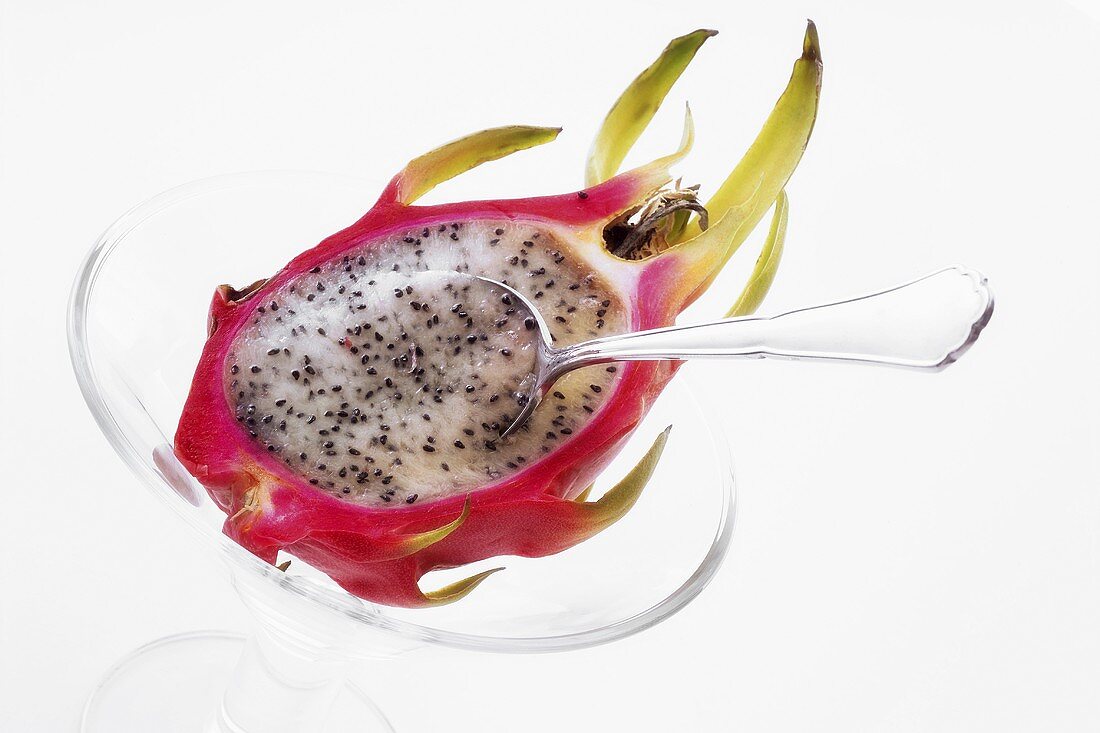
(176, 684)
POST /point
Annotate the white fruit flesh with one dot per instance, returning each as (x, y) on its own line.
(366, 393)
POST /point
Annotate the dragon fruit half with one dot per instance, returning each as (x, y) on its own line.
(343, 417)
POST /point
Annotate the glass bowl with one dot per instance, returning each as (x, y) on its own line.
(136, 328)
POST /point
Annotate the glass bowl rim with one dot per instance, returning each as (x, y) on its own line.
(356, 609)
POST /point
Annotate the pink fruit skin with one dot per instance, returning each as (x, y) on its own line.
(381, 554)
(364, 549)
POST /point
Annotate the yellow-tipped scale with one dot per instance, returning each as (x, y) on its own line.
(635, 107)
(423, 174)
(763, 273)
(778, 147)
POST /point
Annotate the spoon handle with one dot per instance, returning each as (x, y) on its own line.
(925, 324)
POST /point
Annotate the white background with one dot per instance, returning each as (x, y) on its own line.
(913, 552)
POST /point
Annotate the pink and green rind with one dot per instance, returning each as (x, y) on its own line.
(271, 509)
(382, 553)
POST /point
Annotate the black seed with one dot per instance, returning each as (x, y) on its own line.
(595, 388)
(255, 369)
(459, 444)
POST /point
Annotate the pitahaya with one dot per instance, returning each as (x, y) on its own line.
(325, 430)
